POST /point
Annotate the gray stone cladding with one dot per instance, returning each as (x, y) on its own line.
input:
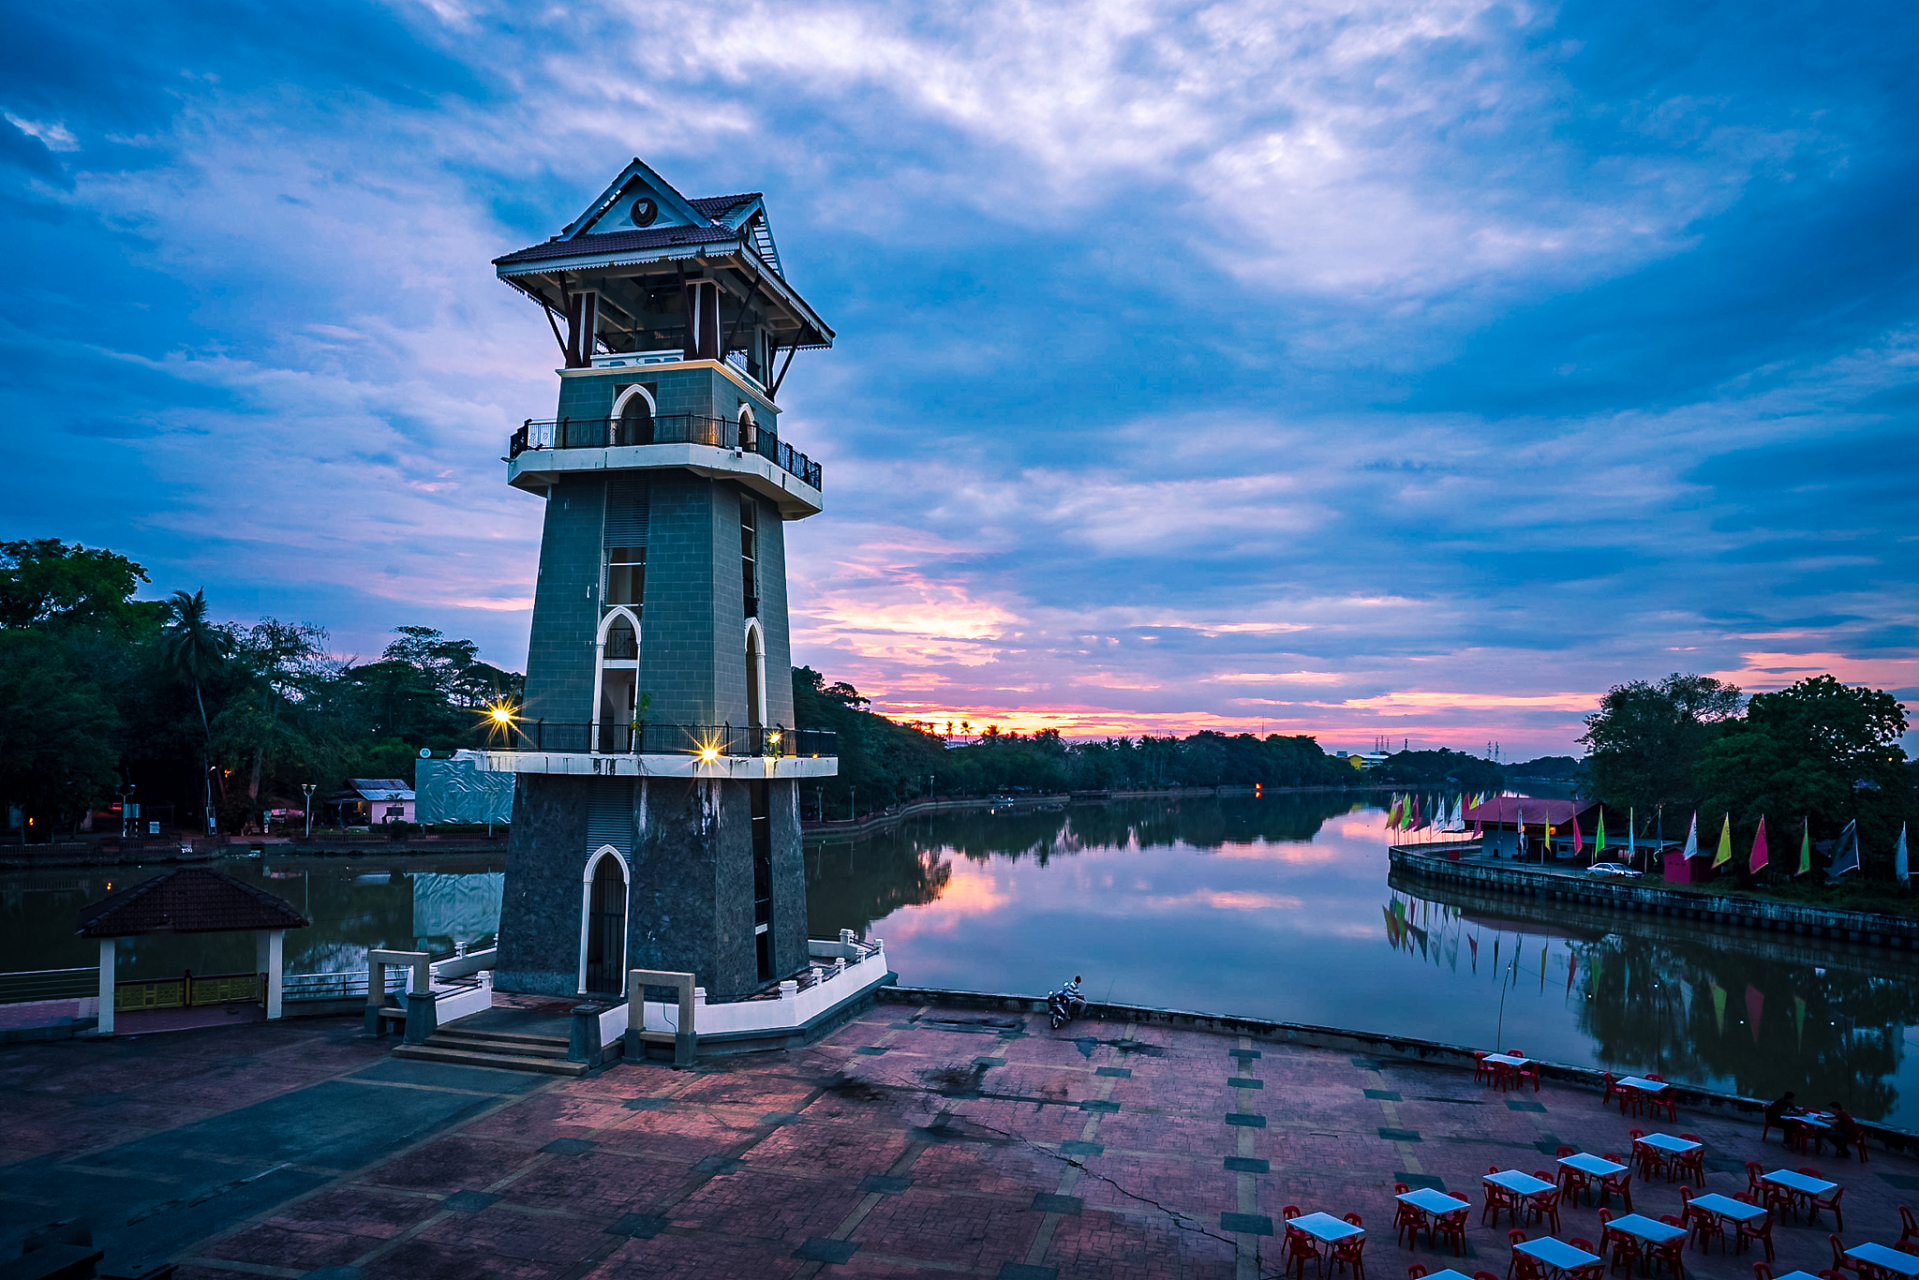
(690, 900)
(690, 903)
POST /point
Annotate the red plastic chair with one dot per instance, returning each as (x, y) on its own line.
(1668, 1255)
(1514, 1239)
(1350, 1252)
(1592, 1270)
(1482, 1070)
(1693, 1162)
(1417, 1272)
(1814, 1204)
(1616, 1184)
(1452, 1226)
(1300, 1247)
(1612, 1090)
(1908, 1225)
(1704, 1227)
(1760, 1271)
(1497, 1199)
(1663, 1100)
(1406, 1219)
(1544, 1207)
(1840, 1262)
(1759, 1229)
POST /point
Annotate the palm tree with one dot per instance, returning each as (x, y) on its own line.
(194, 647)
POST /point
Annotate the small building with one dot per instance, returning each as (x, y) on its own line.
(1679, 869)
(372, 802)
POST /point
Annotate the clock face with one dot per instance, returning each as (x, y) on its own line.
(644, 211)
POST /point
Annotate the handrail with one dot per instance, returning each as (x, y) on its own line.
(669, 428)
(650, 738)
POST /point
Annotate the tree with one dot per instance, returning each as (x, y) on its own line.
(44, 581)
(58, 753)
(1645, 738)
(1819, 749)
(194, 647)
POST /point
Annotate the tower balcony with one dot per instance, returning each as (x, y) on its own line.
(652, 750)
(542, 451)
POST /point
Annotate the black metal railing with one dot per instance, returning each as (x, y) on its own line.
(670, 428)
(649, 738)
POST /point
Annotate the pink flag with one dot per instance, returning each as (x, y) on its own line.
(1755, 1009)
(1579, 845)
(1759, 846)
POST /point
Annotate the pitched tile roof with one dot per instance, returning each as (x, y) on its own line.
(1511, 809)
(190, 900)
(714, 206)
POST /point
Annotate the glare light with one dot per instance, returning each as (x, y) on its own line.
(709, 754)
(501, 715)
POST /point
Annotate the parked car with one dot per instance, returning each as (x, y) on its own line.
(1613, 870)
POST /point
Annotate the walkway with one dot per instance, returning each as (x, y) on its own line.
(912, 1141)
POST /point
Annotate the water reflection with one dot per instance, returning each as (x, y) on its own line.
(409, 903)
(1283, 908)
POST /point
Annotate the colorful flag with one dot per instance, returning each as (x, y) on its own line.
(1759, 847)
(1632, 849)
(1899, 856)
(1799, 1019)
(1579, 843)
(1719, 1006)
(1599, 837)
(1724, 855)
(1846, 855)
(1755, 1009)
(1805, 848)
(1692, 837)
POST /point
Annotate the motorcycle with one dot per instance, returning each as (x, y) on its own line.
(1064, 1005)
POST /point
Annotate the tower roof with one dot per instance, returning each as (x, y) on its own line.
(640, 240)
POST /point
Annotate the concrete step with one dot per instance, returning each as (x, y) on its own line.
(500, 1042)
(499, 1061)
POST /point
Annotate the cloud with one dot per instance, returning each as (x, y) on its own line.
(1344, 368)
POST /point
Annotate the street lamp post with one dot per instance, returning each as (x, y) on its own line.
(126, 794)
(308, 808)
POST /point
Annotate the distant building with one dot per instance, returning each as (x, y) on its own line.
(370, 802)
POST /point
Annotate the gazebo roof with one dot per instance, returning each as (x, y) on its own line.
(190, 900)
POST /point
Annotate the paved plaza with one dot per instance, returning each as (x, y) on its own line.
(913, 1140)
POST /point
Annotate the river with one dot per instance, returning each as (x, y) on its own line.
(1278, 908)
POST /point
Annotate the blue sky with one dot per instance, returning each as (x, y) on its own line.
(1414, 370)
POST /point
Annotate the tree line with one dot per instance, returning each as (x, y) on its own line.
(1818, 752)
(103, 695)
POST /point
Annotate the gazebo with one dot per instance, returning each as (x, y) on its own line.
(191, 900)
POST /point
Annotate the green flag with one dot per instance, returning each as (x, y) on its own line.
(1725, 844)
(1599, 840)
(1805, 848)
(1719, 1006)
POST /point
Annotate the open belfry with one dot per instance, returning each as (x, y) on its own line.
(656, 808)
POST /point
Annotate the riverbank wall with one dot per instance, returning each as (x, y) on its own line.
(1368, 1045)
(886, 818)
(1863, 928)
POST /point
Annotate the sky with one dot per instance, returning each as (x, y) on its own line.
(1413, 371)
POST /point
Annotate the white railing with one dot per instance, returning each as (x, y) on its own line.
(856, 966)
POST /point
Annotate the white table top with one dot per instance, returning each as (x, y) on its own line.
(1513, 1180)
(1666, 1142)
(1640, 1227)
(1817, 1119)
(1556, 1253)
(1727, 1207)
(1324, 1226)
(1640, 1082)
(1431, 1201)
(1598, 1166)
(1893, 1260)
(1507, 1060)
(1798, 1182)
(1450, 1274)
(1797, 1275)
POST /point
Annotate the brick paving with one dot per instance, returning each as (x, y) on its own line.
(911, 1141)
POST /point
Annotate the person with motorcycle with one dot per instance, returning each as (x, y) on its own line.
(1066, 1003)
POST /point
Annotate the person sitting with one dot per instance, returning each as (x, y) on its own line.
(1780, 1114)
(1845, 1130)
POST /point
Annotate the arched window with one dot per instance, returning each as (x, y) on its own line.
(616, 688)
(749, 430)
(633, 417)
(603, 924)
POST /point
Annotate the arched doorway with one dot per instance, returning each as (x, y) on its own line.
(604, 960)
(755, 678)
(633, 417)
(615, 704)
